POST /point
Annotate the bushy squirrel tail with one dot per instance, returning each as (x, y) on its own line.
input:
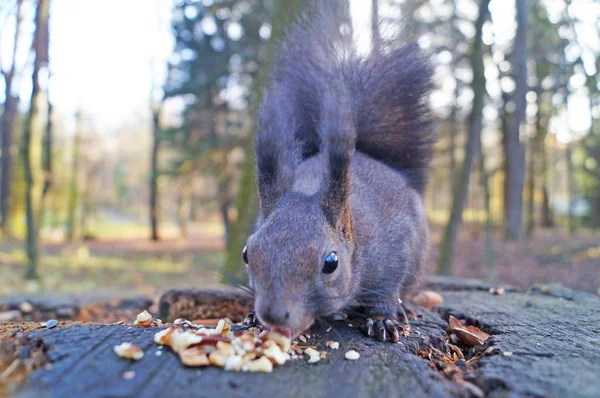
(383, 94)
(392, 115)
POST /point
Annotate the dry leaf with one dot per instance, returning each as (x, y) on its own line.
(469, 335)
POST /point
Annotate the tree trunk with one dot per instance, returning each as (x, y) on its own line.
(72, 232)
(32, 151)
(570, 189)
(454, 123)
(247, 202)
(183, 210)
(224, 210)
(547, 218)
(531, 189)
(154, 211)
(85, 193)
(454, 128)
(7, 127)
(565, 364)
(534, 150)
(194, 215)
(8, 151)
(537, 142)
(490, 254)
(47, 163)
(515, 155)
(247, 211)
(461, 186)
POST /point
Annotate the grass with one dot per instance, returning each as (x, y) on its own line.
(78, 270)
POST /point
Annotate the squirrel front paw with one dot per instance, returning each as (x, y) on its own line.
(383, 329)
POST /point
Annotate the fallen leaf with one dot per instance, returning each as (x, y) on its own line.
(470, 335)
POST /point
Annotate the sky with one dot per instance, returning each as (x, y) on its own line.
(105, 55)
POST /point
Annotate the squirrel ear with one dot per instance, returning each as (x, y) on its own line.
(339, 136)
(277, 152)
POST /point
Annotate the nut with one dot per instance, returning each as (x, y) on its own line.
(26, 307)
(234, 363)
(223, 327)
(313, 355)
(217, 358)
(245, 342)
(129, 351)
(264, 335)
(233, 352)
(497, 290)
(225, 348)
(144, 319)
(428, 299)
(272, 351)
(334, 345)
(283, 342)
(182, 340)
(129, 375)
(261, 364)
(352, 355)
(194, 357)
(164, 337)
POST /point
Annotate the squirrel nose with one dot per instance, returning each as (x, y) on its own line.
(275, 315)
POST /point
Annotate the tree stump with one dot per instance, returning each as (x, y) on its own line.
(544, 343)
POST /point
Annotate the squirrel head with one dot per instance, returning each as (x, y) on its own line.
(300, 266)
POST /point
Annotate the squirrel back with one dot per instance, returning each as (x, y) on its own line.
(387, 101)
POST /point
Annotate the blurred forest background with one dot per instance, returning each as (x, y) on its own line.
(126, 138)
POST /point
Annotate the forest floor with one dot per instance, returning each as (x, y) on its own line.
(108, 268)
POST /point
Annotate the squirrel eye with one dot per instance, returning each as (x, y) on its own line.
(331, 263)
(245, 254)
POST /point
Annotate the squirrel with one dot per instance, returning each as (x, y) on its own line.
(343, 143)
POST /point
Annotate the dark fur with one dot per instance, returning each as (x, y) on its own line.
(343, 145)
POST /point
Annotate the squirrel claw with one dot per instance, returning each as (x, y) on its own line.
(251, 320)
(392, 330)
(383, 329)
(369, 327)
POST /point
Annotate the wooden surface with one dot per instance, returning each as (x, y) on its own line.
(545, 343)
